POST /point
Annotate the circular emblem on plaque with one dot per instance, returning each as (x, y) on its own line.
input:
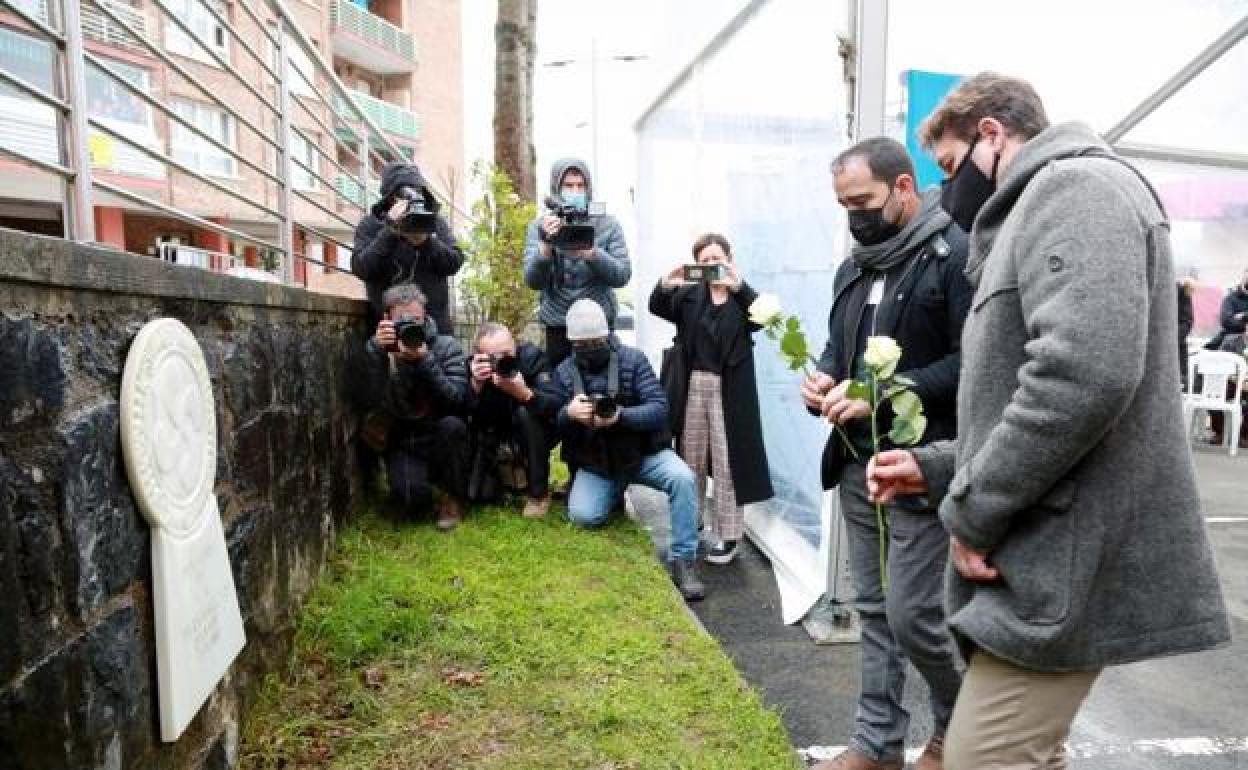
(168, 426)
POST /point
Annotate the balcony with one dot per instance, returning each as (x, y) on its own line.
(96, 26)
(370, 41)
(390, 118)
(349, 187)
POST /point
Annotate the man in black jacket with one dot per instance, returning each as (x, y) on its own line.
(384, 255)
(904, 280)
(417, 383)
(512, 409)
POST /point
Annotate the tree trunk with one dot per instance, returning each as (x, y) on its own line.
(515, 36)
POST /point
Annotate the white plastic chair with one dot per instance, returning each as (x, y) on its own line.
(1216, 371)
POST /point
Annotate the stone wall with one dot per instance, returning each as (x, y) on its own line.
(77, 657)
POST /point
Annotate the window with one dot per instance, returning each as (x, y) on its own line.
(193, 150)
(304, 75)
(300, 177)
(112, 101)
(202, 23)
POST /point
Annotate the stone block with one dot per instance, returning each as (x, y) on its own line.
(106, 535)
(32, 374)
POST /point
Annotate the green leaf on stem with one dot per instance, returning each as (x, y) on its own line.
(859, 390)
(908, 431)
(906, 405)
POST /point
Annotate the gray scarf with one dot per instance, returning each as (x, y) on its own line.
(929, 220)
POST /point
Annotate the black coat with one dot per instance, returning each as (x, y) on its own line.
(926, 302)
(382, 258)
(534, 366)
(747, 455)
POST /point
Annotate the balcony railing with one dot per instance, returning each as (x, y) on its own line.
(96, 26)
(390, 118)
(379, 35)
(348, 187)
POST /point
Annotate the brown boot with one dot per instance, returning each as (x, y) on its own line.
(450, 514)
(536, 507)
(851, 759)
(933, 756)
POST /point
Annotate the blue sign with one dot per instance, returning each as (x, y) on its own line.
(924, 91)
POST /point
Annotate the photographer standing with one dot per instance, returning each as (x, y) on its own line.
(571, 254)
(417, 384)
(512, 404)
(614, 427)
(403, 240)
(711, 391)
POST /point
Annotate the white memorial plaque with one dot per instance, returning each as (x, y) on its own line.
(169, 437)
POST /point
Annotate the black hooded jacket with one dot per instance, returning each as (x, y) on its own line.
(382, 258)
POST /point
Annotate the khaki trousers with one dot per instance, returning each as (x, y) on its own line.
(1010, 718)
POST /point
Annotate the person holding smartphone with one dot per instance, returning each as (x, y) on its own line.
(708, 375)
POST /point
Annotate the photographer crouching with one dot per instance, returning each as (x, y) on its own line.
(416, 382)
(403, 240)
(614, 428)
(514, 410)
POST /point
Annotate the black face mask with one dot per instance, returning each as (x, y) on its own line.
(869, 227)
(593, 359)
(966, 192)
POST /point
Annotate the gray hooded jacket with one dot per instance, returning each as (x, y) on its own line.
(563, 278)
(1072, 469)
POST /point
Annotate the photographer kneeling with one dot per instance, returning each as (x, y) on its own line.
(417, 382)
(614, 429)
(513, 407)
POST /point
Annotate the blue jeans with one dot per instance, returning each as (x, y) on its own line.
(592, 497)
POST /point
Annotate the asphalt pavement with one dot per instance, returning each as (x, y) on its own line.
(1183, 713)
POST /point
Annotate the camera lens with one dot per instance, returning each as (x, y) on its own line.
(604, 406)
(505, 365)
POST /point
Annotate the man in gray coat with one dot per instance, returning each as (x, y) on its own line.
(563, 272)
(1077, 540)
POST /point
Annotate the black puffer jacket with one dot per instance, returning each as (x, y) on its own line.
(642, 430)
(382, 258)
(436, 386)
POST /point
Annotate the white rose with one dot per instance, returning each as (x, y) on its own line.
(882, 356)
(765, 310)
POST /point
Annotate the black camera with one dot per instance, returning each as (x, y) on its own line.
(604, 405)
(576, 232)
(421, 217)
(505, 365)
(411, 332)
(708, 273)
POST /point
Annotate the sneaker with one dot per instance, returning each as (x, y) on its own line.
(450, 514)
(723, 552)
(536, 507)
(685, 576)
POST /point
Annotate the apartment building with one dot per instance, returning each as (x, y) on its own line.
(400, 58)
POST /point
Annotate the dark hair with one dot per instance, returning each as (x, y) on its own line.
(488, 329)
(1011, 101)
(403, 294)
(706, 240)
(887, 159)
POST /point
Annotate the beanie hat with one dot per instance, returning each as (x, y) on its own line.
(586, 321)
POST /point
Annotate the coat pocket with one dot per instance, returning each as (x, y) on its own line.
(1036, 558)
